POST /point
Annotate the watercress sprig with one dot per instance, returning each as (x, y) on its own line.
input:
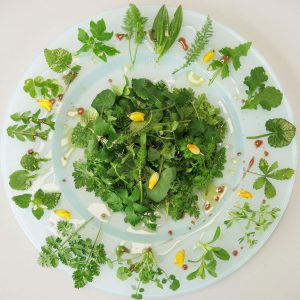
(208, 260)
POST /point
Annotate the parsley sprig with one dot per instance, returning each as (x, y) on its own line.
(258, 94)
(85, 256)
(270, 172)
(208, 260)
(97, 41)
(146, 269)
(230, 55)
(251, 220)
(134, 26)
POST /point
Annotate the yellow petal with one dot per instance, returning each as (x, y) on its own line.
(244, 194)
(153, 180)
(208, 56)
(194, 149)
(64, 214)
(46, 104)
(179, 258)
(137, 116)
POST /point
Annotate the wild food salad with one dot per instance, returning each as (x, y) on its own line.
(147, 148)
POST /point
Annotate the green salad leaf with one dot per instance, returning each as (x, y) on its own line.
(140, 134)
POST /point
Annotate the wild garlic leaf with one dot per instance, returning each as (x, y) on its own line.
(58, 60)
(281, 132)
(163, 32)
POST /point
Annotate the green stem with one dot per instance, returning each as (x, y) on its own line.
(76, 231)
(258, 136)
(141, 184)
(214, 76)
(261, 175)
(130, 53)
(93, 248)
(135, 53)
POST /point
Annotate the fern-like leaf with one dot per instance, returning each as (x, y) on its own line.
(201, 40)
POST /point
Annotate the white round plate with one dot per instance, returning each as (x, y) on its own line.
(227, 94)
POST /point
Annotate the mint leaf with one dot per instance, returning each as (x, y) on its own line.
(38, 212)
(58, 60)
(22, 201)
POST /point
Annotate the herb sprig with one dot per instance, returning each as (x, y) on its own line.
(164, 32)
(251, 221)
(147, 270)
(270, 172)
(134, 26)
(97, 41)
(258, 94)
(200, 41)
(85, 256)
(40, 201)
(230, 55)
(208, 260)
(32, 127)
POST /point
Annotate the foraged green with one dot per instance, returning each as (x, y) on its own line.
(134, 26)
(85, 256)
(258, 94)
(208, 260)
(121, 154)
(281, 132)
(164, 33)
(230, 55)
(200, 41)
(270, 172)
(97, 41)
(147, 270)
(251, 220)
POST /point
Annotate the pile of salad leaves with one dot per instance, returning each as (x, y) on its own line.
(122, 151)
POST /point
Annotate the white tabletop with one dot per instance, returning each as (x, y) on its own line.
(26, 27)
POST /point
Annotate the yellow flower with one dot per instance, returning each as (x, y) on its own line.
(153, 180)
(137, 116)
(64, 214)
(194, 149)
(46, 104)
(208, 56)
(244, 194)
(179, 258)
